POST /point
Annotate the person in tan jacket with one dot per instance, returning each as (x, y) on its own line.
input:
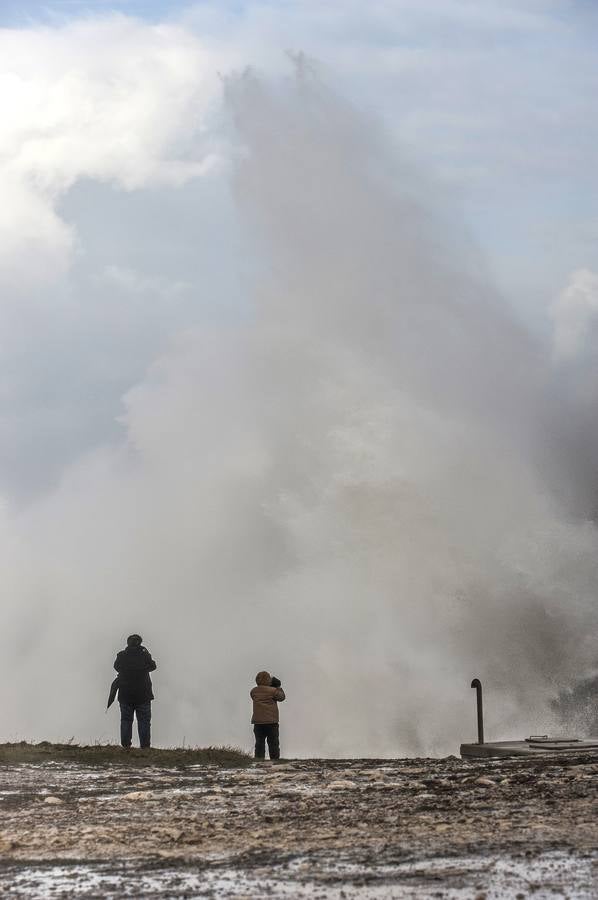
(266, 696)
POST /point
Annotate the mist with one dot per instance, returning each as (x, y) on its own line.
(365, 481)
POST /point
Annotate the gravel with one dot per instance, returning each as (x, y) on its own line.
(307, 828)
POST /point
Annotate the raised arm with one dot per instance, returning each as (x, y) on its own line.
(149, 663)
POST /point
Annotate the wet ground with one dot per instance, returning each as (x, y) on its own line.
(314, 829)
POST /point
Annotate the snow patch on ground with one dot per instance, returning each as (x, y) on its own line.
(460, 878)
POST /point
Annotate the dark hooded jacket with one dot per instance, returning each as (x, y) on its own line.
(133, 665)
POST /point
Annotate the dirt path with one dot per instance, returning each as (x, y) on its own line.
(371, 829)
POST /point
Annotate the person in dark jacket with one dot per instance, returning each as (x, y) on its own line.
(266, 696)
(135, 694)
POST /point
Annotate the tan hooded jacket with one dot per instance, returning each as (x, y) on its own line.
(265, 700)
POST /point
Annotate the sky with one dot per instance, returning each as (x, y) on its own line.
(151, 269)
(32, 12)
(494, 101)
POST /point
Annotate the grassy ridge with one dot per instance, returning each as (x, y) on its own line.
(102, 754)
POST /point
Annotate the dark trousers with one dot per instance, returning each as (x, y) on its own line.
(144, 717)
(265, 733)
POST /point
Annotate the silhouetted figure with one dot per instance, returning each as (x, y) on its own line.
(135, 694)
(266, 696)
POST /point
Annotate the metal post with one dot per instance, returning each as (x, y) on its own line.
(477, 684)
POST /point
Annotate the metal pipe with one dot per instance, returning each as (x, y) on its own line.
(477, 684)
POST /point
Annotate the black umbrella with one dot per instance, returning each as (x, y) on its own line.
(112, 695)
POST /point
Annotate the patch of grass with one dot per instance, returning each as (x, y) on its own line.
(102, 754)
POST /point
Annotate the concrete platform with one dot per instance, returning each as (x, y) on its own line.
(530, 748)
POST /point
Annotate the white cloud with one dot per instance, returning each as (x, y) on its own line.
(496, 97)
(113, 100)
(136, 108)
(35, 243)
(574, 313)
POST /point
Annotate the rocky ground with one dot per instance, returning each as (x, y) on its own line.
(318, 829)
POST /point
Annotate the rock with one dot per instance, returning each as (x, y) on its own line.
(175, 834)
(342, 786)
(6, 845)
(138, 795)
(53, 801)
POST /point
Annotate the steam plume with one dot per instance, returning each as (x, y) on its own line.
(345, 488)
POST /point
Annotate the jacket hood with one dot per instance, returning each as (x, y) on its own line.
(263, 678)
